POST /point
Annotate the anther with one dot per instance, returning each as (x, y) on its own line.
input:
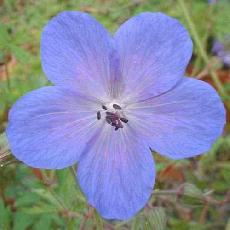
(124, 120)
(104, 107)
(113, 118)
(115, 106)
(98, 115)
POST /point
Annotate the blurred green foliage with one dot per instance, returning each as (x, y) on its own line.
(189, 194)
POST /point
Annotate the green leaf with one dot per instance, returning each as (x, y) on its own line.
(228, 224)
(22, 221)
(5, 216)
(178, 224)
(20, 54)
(26, 199)
(44, 222)
(49, 197)
(67, 186)
(222, 16)
(39, 209)
(160, 166)
(192, 191)
(149, 219)
(4, 37)
(156, 218)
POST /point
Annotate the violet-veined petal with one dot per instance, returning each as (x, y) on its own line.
(49, 127)
(183, 122)
(154, 50)
(77, 52)
(116, 173)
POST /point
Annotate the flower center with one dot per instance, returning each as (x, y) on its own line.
(113, 115)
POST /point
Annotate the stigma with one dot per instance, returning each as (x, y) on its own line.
(113, 115)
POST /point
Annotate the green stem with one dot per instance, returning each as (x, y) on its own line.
(196, 66)
(200, 47)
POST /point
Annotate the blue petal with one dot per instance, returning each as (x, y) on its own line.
(183, 122)
(77, 51)
(48, 127)
(116, 173)
(154, 50)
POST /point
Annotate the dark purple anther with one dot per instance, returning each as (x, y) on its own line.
(124, 120)
(113, 118)
(115, 106)
(98, 115)
(104, 107)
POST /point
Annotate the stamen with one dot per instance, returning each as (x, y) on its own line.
(124, 120)
(98, 115)
(115, 106)
(104, 107)
(113, 118)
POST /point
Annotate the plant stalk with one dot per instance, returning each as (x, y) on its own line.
(200, 47)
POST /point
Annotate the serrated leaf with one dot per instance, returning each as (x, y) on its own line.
(157, 218)
(150, 219)
(192, 191)
(51, 198)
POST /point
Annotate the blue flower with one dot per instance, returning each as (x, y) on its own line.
(221, 51)
(212, 1)
(113, 99)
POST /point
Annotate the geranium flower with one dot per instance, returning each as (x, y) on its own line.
(114, 99)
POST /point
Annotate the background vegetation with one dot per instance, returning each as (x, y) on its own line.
(189, 194)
